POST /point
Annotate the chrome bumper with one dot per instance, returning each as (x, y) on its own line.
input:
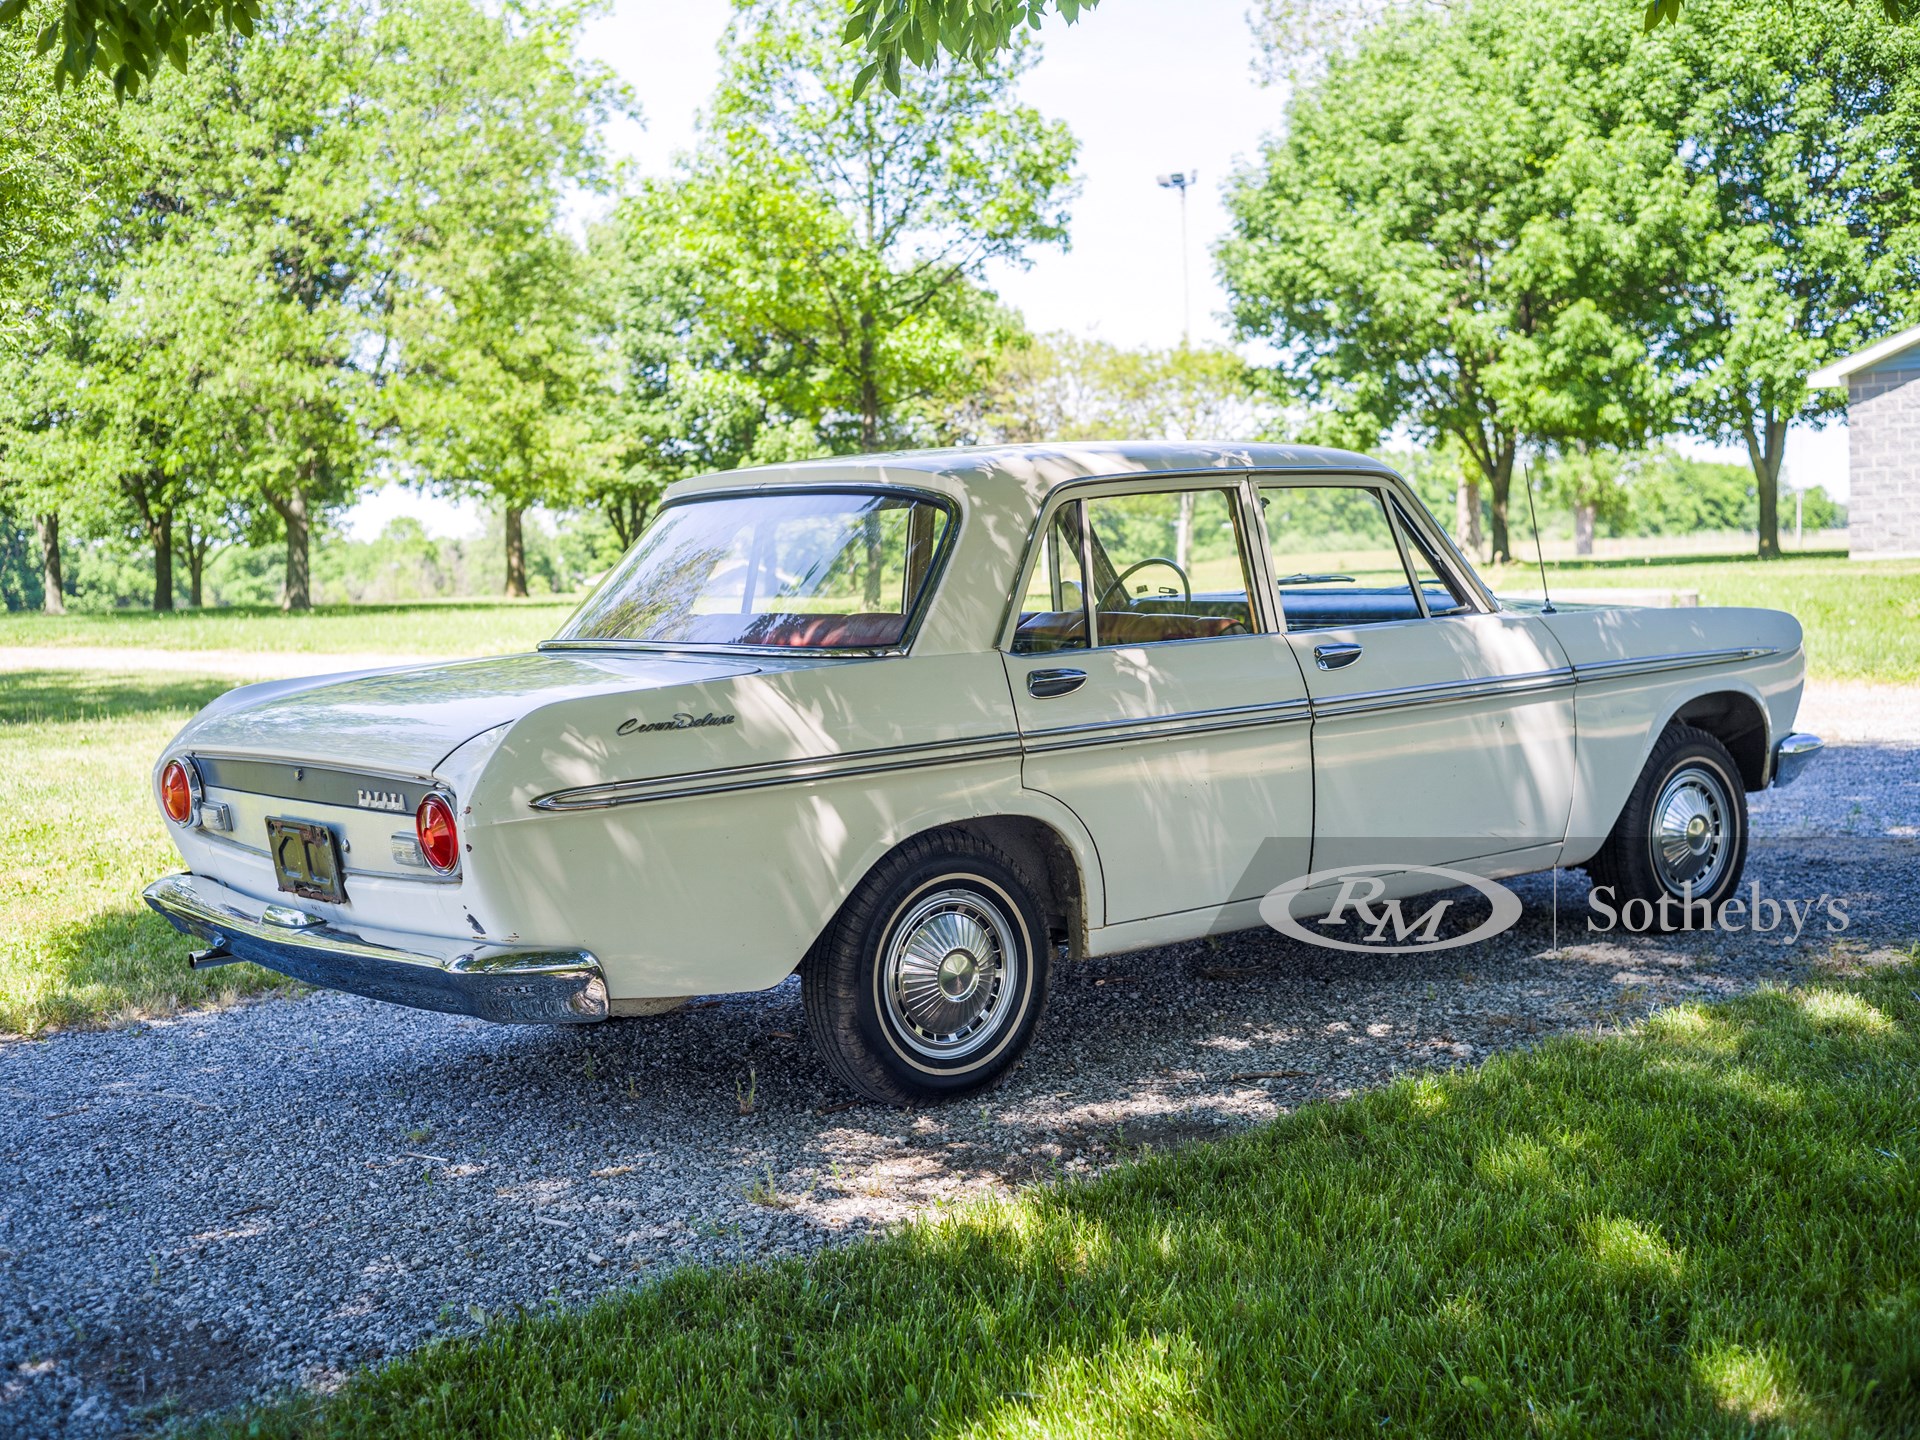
(494, 983)
(1791, 755)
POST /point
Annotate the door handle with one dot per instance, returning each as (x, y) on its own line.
(1045, 684)
(1336, 656)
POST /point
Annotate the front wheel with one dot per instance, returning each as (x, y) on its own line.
(931, 980)
(1682, 836)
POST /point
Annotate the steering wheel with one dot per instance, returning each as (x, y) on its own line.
(1120, 581)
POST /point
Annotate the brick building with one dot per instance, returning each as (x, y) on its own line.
(1883, 444)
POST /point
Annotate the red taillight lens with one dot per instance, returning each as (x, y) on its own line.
(438, 836)
(176, 791)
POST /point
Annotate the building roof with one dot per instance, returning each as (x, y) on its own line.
(1834, 376)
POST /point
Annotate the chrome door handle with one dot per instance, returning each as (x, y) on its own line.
(1044, 684)
(1336, 656)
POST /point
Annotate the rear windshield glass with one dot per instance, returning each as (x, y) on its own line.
(805, 569)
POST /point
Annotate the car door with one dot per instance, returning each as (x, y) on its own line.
(1158, 700)
(1443, 729)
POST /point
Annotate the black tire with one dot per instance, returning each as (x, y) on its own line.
(1690, 777)
(878, 994)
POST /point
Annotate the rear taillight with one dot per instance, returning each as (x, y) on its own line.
(179, 791)
(439, 837)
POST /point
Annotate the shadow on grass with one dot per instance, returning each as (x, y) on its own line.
(37, 697)
(118, 965)
(1705, 1226)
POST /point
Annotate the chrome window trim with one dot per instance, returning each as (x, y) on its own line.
(1132, 483)
(1393, 491)
(923, 602)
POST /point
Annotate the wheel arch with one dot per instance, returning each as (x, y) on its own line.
(1055, 851)
(1738, 721)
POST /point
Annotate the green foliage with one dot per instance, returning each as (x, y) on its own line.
(499, 381)
(330, 253)
(127, 40)
(1702, 1226)
(1066, 387)
(1519, 225)
(1810, 117)
(831, 245)
(1463, 228)
(919, 31)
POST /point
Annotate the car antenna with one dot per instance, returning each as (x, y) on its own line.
(1538, 555)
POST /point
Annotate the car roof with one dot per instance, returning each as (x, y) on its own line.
(1013, 474)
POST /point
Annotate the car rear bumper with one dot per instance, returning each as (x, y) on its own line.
(1791, 755)
(491, 982)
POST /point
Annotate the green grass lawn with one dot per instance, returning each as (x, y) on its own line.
(1709, 1225)
(433, 627)
(1862, 618)
(80, 837)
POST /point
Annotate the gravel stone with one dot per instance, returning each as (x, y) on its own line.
(204, 1210)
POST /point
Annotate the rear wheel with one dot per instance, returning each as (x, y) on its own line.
(1682, 836)
(931, 980)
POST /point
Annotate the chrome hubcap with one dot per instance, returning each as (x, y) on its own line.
(949, 967)
(1690, 840)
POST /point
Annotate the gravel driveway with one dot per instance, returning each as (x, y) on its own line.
(197, 1211)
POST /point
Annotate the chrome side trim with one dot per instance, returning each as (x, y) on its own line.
(1442, 692)
(456, 977)
(782, 772)
(1160, 727)
(1112, 732)
(1653, 664)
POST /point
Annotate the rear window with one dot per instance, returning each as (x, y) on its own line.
(817, 570)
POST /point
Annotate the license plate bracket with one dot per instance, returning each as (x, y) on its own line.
(306, 859)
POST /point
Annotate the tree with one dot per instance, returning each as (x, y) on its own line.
(1065, 387)
(1802, 131)
(1469, 227)
(495, 122)
(276, 259)
(834, 245)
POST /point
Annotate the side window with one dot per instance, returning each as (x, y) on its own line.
(1336, 559)
(1053, 613)
(1168, 566)
(1443, 597)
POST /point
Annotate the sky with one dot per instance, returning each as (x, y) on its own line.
(1149, 87)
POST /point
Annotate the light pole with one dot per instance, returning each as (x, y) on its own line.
(1180, 180)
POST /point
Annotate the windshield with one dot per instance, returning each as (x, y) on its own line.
(810, 569)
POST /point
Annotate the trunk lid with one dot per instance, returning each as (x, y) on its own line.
(407, 721)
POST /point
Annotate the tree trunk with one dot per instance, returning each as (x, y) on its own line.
(1466, 516)
(1765, 451)
(1583, 516)
(161, 533)
(297, 594)
(869, 391)
(1183, 533)
(1501, 481)
(54, 600)
(516, 555)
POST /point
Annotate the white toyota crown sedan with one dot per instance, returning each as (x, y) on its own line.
(924, 726)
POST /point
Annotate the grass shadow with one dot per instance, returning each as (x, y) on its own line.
(53, 697)
(1703, 1226)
